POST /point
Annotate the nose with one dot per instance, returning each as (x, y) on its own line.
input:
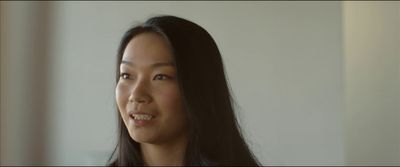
(139, 93)
(133, 99)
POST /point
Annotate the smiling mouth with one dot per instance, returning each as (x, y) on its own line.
(143, 117)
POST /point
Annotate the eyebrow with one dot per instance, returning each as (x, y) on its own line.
(155, 65)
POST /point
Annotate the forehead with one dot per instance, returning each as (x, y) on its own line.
(147, 48)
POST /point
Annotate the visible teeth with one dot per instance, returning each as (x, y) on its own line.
(142, 117)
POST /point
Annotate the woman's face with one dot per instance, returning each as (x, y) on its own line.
(147, 92)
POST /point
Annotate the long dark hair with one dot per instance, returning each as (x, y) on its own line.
(214, 133)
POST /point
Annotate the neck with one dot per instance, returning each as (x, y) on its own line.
(170, 154)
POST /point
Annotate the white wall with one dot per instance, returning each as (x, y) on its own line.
(285, 62)
(372, 55)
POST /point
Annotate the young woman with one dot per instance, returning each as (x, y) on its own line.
(174, 103)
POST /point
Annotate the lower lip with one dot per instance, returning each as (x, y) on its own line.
(141, 122)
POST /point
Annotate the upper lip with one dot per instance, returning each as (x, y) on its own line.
(140, 112)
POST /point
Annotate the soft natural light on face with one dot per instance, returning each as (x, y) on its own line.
(148, 85)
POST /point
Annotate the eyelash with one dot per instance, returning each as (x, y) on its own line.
(162, 75)
(126, 76)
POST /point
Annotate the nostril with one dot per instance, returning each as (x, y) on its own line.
(137, 100)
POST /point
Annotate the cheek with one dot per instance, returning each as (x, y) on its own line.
(170, 100)
(121, 96)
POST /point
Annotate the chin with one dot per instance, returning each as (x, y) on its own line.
(143, 138)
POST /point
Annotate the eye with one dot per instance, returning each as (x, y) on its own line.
(161, 77)
(124, 75)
